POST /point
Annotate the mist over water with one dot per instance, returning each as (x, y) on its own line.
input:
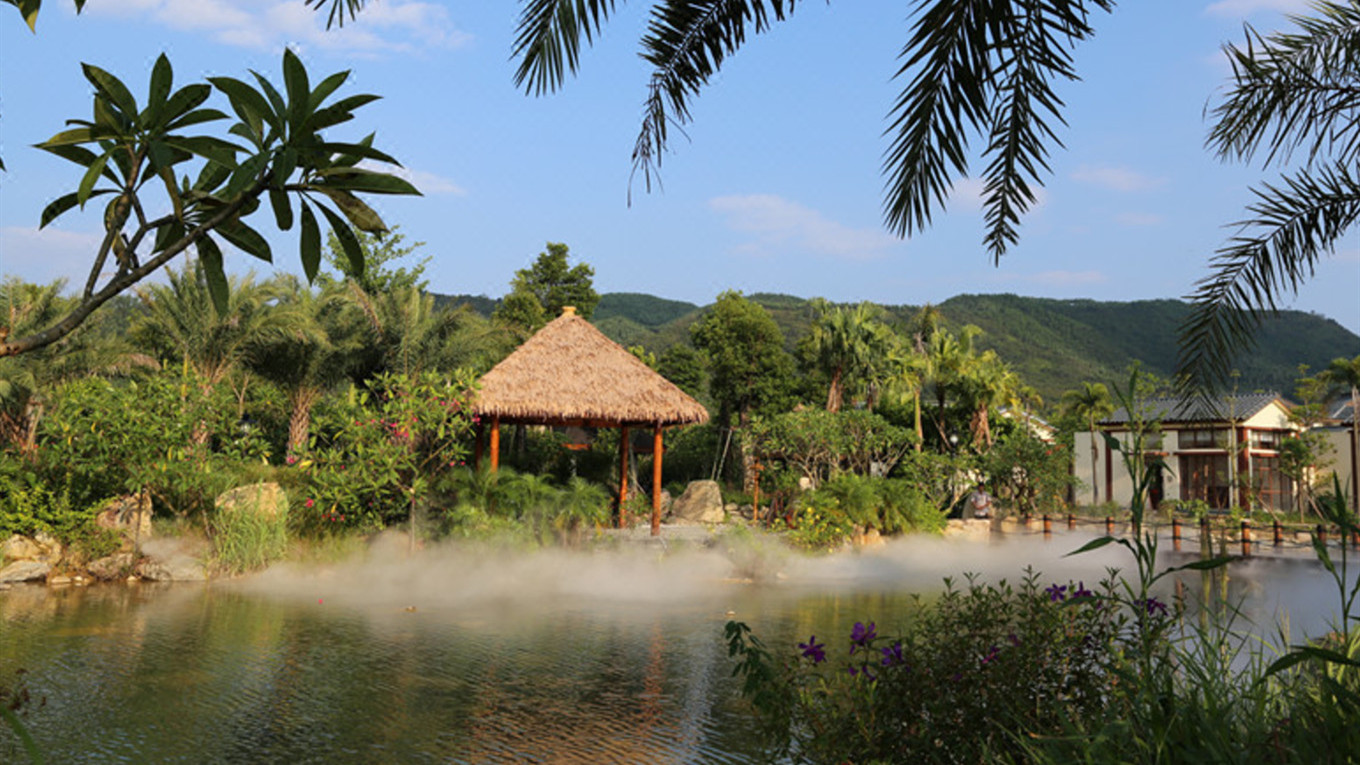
(477, 653)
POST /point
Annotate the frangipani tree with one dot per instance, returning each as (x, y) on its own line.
(138, 156)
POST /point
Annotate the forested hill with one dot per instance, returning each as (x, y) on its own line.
(1053, 344)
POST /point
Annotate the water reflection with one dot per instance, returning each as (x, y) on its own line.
(466, 656)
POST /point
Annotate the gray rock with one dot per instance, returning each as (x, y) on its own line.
(24, 571)
(176, 568)
(701, 503)
(116, 566)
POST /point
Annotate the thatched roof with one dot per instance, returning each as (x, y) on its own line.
(570, 373)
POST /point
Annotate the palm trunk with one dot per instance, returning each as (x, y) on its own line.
(300, 420)
(920, 434)
(834, 393)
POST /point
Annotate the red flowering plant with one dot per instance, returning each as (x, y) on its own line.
(388, 446)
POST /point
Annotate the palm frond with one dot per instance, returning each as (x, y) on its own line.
(335, 16)
(1294, 91)
(686, 43)
(548, 40)
(1275, 251)
(980, 66)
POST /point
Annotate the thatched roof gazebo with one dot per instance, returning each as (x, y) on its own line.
(570, 374)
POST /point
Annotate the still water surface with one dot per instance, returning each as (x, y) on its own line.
(464, 656)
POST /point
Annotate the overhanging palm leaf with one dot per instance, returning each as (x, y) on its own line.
(1276, 251)
(1291, 92)
(976, 67)
(980, 66)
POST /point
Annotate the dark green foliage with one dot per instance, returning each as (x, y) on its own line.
(751, 370)
(647, 310)
(540, 292)
(29, 507)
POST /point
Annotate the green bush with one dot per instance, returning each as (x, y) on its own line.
(30, 508)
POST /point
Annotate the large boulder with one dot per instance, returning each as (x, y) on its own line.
(701, 503)
(266, 499)
(24, 571)
(113, 567)
(41, 548)
(176, 568)
(130, 516)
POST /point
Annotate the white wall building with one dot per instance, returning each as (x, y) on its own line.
(1207, 451)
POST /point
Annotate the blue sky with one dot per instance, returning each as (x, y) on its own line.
(776, 189)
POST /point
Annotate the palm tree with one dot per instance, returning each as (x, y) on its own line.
(1092, 403)
(1343, 375)
(409, 333)
(182, 327)
(988, 382)
(850, 345)
(948, 361)
(1289, 92)
(26, 379)
(307, 351)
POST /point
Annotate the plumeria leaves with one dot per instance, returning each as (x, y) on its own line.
(213, 182)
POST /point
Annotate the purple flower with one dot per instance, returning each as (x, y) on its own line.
(1154, 606)
(991, 654)
(813, 650)
(857, 671)
(861, 634)
(1015, 641)
(892, 655)
(1055, 592)
(1082, 592)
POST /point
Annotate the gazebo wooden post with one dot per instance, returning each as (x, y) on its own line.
(656, 481)
(495, 443)
(623, 476)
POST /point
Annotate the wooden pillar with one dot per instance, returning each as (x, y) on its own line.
(495, 443)
(656, 481)
(623, 476)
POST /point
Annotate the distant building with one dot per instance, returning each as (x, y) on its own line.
(1338, 433)
(1208, 449)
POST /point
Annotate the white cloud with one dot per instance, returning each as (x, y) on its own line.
(779, 224)
(382, 27)
(427, 183)
(1115, 178)
(1237, 9)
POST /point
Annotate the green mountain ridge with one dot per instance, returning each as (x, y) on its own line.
(1053, 344)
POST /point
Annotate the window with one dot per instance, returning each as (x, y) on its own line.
(1266, 439)
(1201, 438)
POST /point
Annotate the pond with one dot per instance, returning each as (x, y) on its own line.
(461, 655)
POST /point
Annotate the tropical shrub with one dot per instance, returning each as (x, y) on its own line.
(382, 458)
(1033, 476)
(29, 507)
(161, 435)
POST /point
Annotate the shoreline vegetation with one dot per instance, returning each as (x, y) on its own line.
(184, 440)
